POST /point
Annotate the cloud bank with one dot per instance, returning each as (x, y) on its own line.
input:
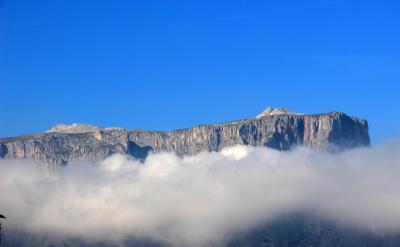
(202, 199)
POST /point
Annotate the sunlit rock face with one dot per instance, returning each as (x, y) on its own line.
(275, 128)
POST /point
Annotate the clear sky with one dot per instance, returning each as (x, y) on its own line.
(173, 64)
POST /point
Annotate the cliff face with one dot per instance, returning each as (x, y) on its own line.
(275, 128)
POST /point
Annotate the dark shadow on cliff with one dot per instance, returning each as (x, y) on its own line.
(137, 151)
(3, 150)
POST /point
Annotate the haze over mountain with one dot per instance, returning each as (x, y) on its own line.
(239, 196)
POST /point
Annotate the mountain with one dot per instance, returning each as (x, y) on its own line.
(275, 128)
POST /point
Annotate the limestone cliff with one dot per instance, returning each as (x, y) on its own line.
(275, 128)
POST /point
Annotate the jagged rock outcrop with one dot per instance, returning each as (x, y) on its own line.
(276, 128)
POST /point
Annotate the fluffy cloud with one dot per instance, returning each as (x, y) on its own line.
(202, 199)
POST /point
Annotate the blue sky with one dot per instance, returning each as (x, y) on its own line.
(173, 64)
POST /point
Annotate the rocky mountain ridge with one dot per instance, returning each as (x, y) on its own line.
(275, 128)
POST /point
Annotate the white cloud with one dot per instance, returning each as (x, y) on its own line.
(202, 199)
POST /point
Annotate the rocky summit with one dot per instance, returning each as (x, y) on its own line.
(276, 128)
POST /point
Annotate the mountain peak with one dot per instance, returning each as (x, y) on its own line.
(73, 128)
(270, 111)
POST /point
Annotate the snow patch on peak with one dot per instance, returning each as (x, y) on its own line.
(269, 111)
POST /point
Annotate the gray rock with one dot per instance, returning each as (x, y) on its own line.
(275, 128)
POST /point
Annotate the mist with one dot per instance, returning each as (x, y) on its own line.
(204, 199)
